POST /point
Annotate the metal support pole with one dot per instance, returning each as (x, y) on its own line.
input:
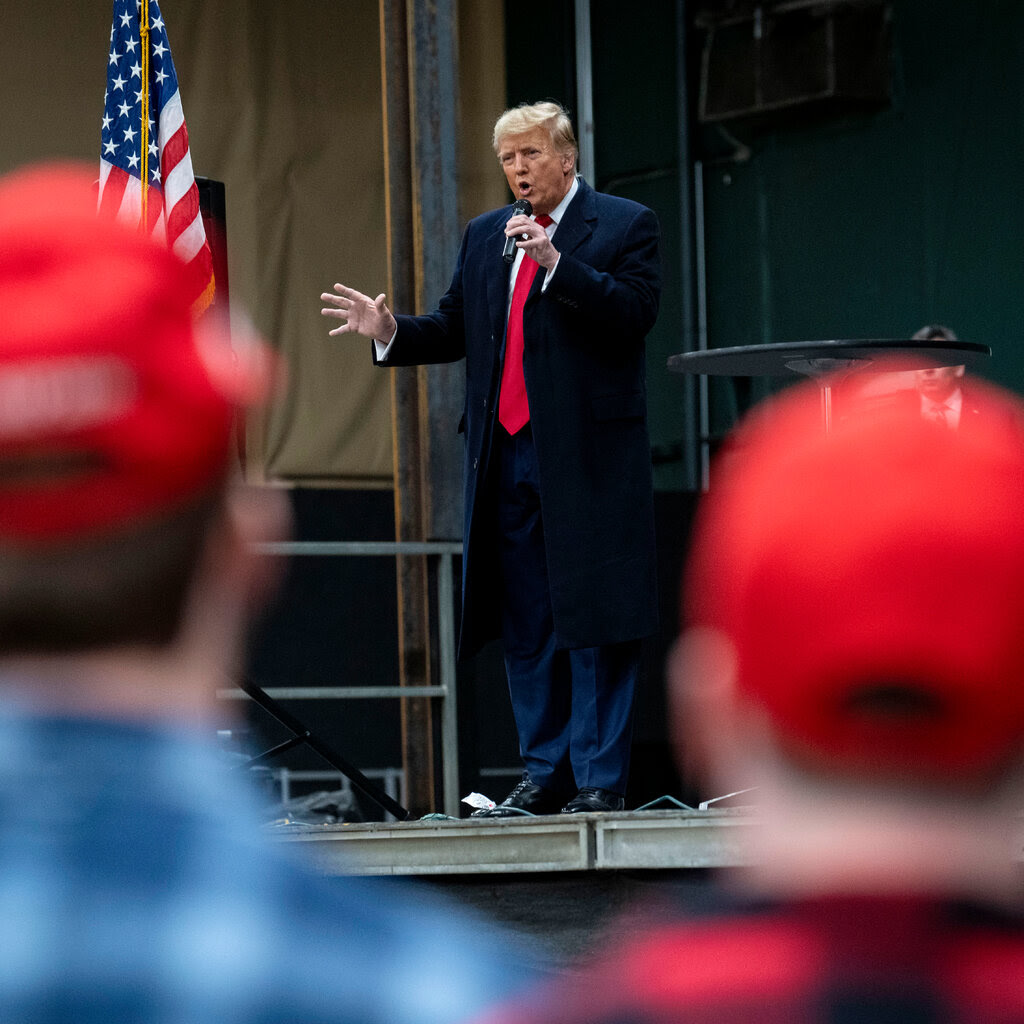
(585, 92)
(691, 326)
(413, 656)
(434, 127)
(419, 61)
(449, 708)
(703, 394)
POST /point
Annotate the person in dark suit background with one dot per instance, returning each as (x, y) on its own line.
(942, 394)
(941, 387)
(559, 518)
(945, 395)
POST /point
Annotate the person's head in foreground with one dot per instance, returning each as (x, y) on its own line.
(136, 881)
(854, 644)
(119, 533)
(853, 647)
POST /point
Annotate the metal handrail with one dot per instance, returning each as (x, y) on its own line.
(446, 690)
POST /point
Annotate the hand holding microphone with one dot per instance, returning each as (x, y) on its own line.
(534, 239)
(525, 207)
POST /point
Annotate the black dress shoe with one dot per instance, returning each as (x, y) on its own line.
(592, 799)
(527, 798)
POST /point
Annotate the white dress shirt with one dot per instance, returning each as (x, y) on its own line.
(556, 215)
(949, 410)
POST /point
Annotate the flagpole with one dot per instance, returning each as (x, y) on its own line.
(132, 183)
(144, 41)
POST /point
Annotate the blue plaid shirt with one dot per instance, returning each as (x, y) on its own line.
(134, 886)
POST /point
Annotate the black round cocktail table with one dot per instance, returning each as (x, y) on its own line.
(828, 360)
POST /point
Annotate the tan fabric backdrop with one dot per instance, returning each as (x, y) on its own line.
(283, 104)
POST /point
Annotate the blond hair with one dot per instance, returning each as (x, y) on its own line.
(551, 116)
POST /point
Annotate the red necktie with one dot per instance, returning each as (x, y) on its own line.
(513, 408)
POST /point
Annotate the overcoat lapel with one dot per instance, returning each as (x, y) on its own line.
(578, 223)
(497, 281)
(575, 227)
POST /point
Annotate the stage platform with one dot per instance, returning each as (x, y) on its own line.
(563, 885)
(627, 840)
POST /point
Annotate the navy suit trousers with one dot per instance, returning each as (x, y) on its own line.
(573, 708)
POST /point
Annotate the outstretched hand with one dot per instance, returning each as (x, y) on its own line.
(359, 313)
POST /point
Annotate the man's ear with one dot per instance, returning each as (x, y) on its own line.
(702, 698)
(257, 515)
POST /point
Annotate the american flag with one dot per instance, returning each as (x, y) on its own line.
(171, 200)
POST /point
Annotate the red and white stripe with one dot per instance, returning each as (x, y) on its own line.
(172, 216)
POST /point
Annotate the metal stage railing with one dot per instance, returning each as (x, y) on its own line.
(445, 691)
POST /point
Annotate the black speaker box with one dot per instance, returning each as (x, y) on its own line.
(788, 61)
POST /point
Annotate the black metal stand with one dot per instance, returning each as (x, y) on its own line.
(300, 735)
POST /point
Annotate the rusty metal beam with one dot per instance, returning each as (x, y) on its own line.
(433, 76)
(420, 100)
(413, 625)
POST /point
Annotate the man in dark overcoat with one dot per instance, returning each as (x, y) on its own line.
(559, 522)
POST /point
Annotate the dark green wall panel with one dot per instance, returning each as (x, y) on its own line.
(858, 226)
(872, 225)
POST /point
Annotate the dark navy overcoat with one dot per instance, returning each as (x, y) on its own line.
(585, 377)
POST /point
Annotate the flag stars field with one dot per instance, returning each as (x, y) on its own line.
(169, 198)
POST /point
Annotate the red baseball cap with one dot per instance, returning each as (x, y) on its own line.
(114, 405)
(871, 580)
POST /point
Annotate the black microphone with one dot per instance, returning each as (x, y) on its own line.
(519, 206)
